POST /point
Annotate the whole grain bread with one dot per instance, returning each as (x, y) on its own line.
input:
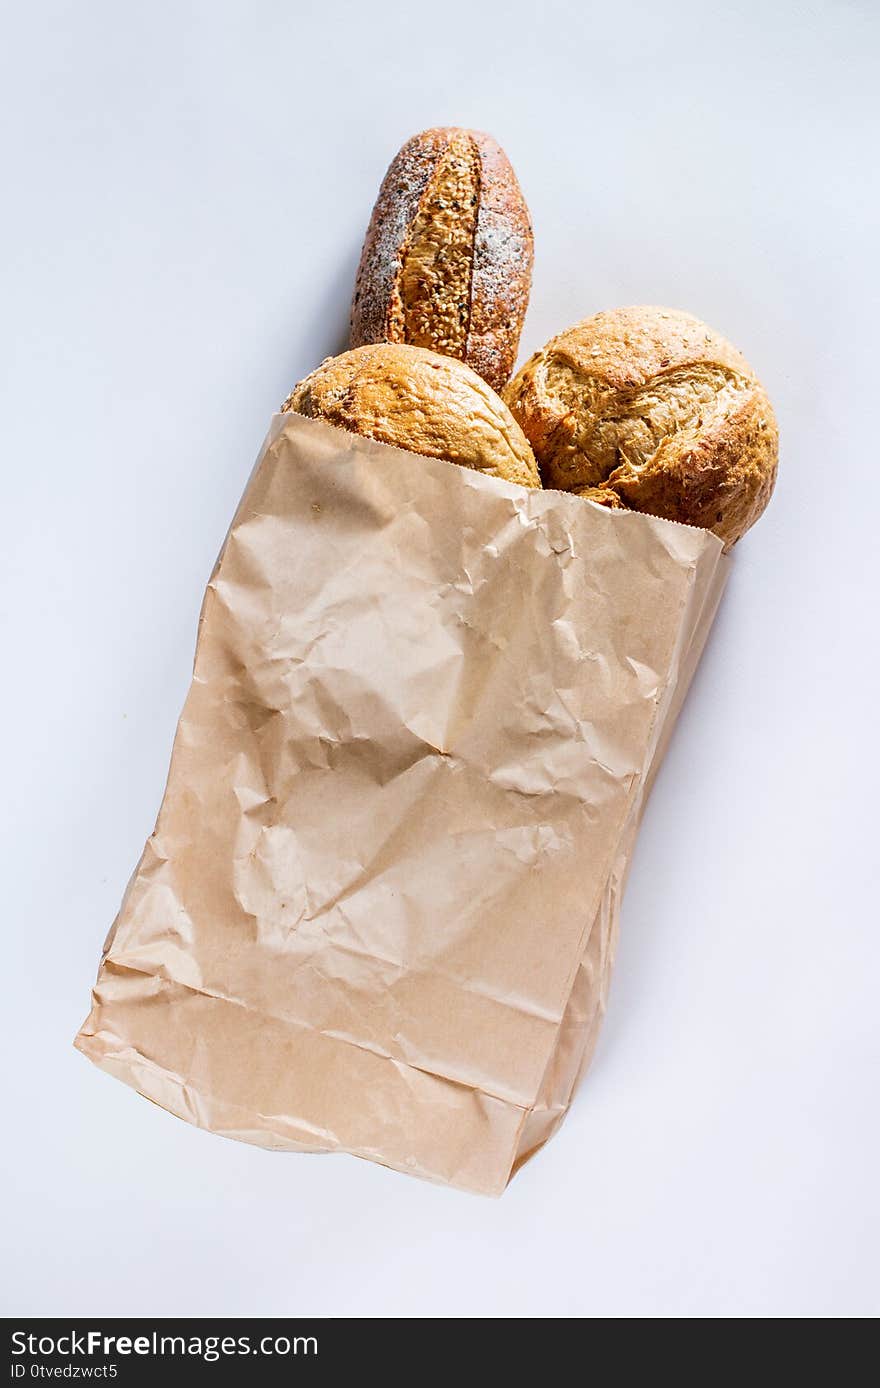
(421, 401)
(447, 259)
(649, 408)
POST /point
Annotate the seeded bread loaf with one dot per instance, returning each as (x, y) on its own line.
(651, 409)
(421, 401)
(447, 259)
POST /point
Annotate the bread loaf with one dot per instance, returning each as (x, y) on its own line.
(650, 408)
(420, 401)
(447, 259)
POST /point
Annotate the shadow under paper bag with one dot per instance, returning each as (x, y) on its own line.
(378, 911)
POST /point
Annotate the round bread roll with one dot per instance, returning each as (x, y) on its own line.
(447, 259)
(421, 401)
(649, 408)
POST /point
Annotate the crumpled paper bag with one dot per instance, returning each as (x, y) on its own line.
(378, 910)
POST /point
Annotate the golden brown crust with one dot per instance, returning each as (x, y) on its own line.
(504, 253)
(447, 259)
(651, 405)
(602, 497)
(395, 210)
(421, 401)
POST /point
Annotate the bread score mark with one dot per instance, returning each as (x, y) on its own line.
(431, 298)
(623, 431)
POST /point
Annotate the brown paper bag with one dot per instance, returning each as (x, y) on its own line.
(378, 910)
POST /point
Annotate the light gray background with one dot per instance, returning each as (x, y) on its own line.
(186, 188)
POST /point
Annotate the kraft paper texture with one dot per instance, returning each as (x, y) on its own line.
(379, 907)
